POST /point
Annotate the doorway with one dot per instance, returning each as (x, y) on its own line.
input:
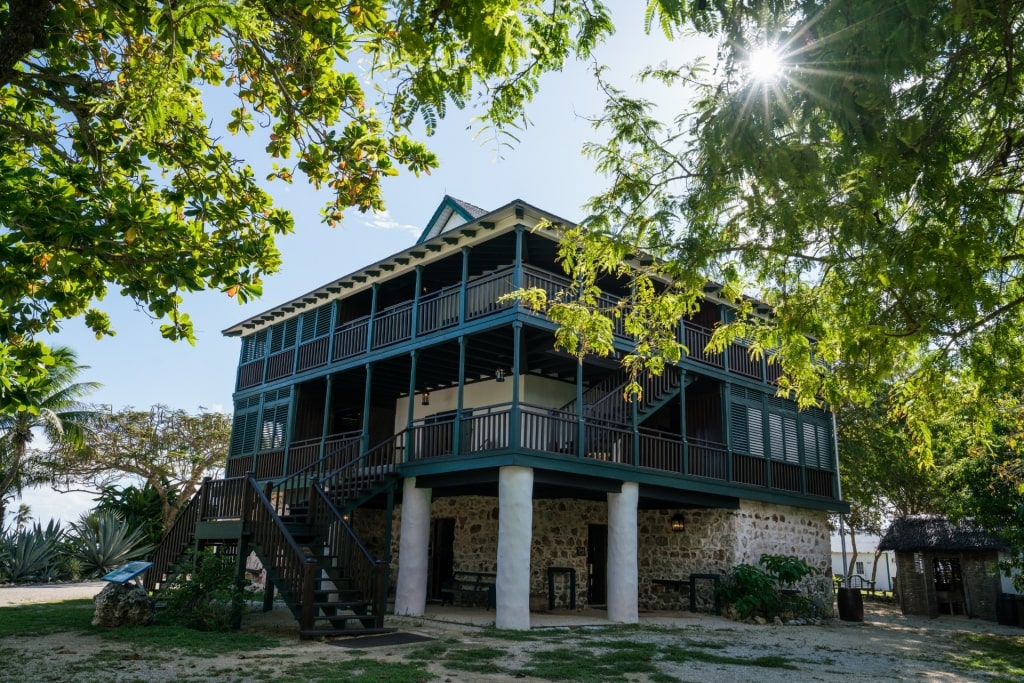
(440, 555)
(597, 564)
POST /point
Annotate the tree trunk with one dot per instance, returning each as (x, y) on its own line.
(853, 553)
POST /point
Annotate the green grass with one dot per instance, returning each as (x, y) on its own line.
(583, 664)
(41, 620)
(76, 616)
(681, 655)
(1002, 656)
(354, 671)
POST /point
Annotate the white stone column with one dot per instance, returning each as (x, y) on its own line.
(413, 544)
(515, 535)
(623, 576)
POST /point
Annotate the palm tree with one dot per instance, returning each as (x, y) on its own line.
(57, 412)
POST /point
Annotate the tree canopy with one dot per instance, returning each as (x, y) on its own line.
(56, 411)
(167, 451)
(870, 192)
(114, 173)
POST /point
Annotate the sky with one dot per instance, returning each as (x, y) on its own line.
(545, 168)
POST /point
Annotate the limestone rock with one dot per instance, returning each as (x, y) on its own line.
(123, 604)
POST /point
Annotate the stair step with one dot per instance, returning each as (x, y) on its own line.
(341, 604)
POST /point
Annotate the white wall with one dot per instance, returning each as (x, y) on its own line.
(866, 554)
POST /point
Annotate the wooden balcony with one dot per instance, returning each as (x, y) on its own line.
(451, 306)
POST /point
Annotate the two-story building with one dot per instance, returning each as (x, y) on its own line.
(403, 424)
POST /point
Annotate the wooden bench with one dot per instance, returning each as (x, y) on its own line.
(470, 588)
(858, 581)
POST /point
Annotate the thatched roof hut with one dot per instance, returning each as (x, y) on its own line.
(945, 567)
(938, 533)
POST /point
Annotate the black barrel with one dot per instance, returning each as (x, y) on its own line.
(851, 604)
(1006, 609)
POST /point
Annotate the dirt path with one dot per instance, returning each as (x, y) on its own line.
(886, 646)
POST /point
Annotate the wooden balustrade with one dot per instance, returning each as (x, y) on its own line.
(661, 451)
(786, 476)
(696, 339)
(313, 354)
(483, 293)
(250, 374)
(392, 325)
(741, 363)
(439, 310)
(281, 364)
(748, 469)
(350, 340)
(820, 483)
(708, 460)
(270, 464)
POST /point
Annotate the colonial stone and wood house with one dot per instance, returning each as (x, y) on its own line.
(402, 433)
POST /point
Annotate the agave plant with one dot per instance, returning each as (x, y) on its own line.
(31, 554)
(102, 542)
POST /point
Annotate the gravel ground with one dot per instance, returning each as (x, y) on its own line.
(886, 646)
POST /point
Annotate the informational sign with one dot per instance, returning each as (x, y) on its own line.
(127, 572)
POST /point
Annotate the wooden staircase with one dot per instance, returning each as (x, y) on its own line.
(299, 530)
(604, 402)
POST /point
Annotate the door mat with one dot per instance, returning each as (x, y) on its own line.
(385, 640)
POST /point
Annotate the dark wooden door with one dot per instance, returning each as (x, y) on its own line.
(441, 555)
(597, 564)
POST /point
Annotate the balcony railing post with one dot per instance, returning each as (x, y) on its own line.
(204, 498)
(515, 437)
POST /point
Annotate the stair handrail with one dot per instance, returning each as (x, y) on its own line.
(174, 541)
(368, 468)
(600, 390)
(300, 479)
(293, 569)
(367, 575)
(620, 411)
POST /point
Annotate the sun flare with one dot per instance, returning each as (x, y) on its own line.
(765, 64)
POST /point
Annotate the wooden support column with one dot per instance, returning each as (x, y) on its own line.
(581, 426)
(727, 427)
(685, 465)
(462, 289)
(516, 418)
(411, 408)
(414, 332)
(460, 398)
(364, 444)
(325, 425)
(372, 322)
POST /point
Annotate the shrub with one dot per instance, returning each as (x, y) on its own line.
(204, 592)
(101, 542)
(31, 554)
(757, 589)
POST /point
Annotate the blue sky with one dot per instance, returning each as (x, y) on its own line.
(546, 168)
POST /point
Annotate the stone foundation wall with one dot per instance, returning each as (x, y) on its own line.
(713, 542)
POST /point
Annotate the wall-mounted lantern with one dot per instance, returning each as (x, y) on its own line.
(678, 522)
(499, 375)
(425, 400)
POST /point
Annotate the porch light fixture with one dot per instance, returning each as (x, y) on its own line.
(678, 522)
(426, 398)
(499, 375)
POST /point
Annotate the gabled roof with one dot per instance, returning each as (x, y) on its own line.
(450, 214)
(935, 532)
(458, 222)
